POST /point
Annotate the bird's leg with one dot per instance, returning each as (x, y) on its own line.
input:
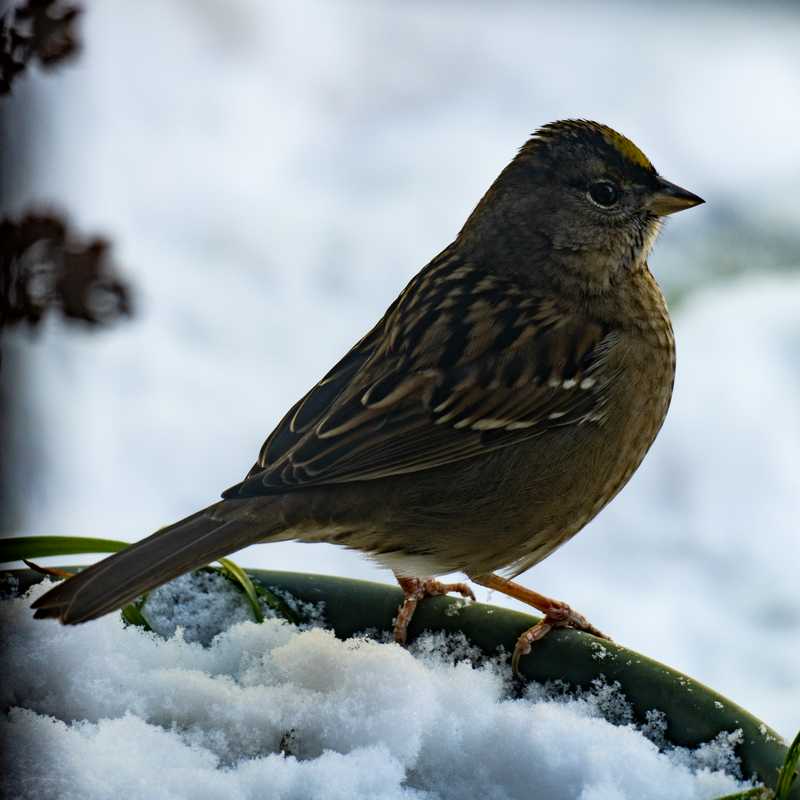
(557, 614)
(416, 589)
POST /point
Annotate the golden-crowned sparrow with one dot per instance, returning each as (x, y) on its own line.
(504, 398)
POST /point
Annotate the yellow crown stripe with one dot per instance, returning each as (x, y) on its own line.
(625, 147)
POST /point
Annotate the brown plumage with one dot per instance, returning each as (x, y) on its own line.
(504, 398)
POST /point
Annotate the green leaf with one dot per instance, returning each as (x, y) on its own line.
(132, 614)
(788, 773)
(240, 577)
(759, 793)
(20, 548)
(17, 548)
(280, 607)
(256, 592)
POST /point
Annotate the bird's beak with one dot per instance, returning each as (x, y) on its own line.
(669, 198)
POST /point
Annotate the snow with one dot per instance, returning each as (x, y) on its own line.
(202, 604)
(106, 710)
(271, 174)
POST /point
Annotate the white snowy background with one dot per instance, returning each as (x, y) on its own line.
(271, 174)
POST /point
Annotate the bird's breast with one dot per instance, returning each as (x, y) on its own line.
(574, 474)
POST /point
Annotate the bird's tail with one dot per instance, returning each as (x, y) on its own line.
(193, 542)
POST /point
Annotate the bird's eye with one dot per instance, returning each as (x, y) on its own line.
(604, 193)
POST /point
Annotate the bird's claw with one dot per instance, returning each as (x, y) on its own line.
(560, 615)
(416, 589)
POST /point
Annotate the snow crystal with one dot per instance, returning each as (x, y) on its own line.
(104, 709)
(454, 609)
(718, 754)
(202, 604)
(311, 614)
(205, 603)
(599, 652)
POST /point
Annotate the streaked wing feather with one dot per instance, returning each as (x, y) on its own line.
(462, 362)
(316, 404)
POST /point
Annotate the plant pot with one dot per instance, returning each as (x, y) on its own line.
(694, 712)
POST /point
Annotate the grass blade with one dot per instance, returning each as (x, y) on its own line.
(759, 793)
(19, 548)
(256, 592)
(279, 606)
(25, 548)
(240, 577)
(788, 773)
(132, 614)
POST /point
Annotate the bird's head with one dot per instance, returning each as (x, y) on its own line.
(583, 193)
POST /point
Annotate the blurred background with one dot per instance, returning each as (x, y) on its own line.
(272, 174)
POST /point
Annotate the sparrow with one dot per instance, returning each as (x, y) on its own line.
(504, 398)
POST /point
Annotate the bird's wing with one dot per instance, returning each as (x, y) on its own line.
(463, 362)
